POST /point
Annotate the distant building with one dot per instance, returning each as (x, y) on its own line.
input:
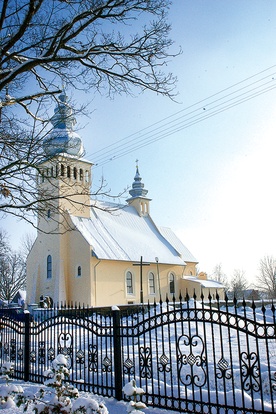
(93, 251)
(201, 286)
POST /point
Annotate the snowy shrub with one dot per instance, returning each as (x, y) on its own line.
(59, 396)
(8, 391)
(132, 391)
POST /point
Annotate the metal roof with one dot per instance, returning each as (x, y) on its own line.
(206, 283)
(119, 233)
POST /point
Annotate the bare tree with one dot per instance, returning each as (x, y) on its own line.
(12, 271)
(113, 46)
(220, 276)
(266, 279)
(27, 242)
(238, 284)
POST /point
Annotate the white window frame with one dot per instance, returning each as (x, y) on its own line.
(131, 294)
(174, 280)
(152, 286)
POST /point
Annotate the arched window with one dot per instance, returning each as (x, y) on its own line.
(129, 283)
(62, 170)
(68, 172)
(49, 214)
(75, 173)
(151, 283)
(172, 283)
(79, 271)
(81, 174)
(87, 176)
(49, 266)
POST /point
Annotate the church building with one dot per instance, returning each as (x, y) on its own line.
(94, 252)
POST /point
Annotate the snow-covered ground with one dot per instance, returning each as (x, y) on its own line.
(113, 406)
(213, 337)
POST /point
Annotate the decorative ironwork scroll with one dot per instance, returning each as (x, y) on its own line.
(80, 357)
(222, 369)
(129, 367)
(92, 358)
(106, 364)
(164, 364)
(191, 360)
(51, 354)
(250, 371)
(65, 347)
(145, 357)
(41, 352)
(13, 350)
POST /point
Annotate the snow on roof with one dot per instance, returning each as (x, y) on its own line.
(206, 283)
(122, 234)
(168, 234)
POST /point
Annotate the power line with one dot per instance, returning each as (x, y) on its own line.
(168, 126)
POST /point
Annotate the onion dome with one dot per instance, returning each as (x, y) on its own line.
(62, 138)
(138, 189)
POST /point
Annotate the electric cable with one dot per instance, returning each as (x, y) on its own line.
(131, 143)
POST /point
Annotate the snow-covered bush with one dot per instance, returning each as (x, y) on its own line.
(59, 396)
(8, 391)
(132, 391)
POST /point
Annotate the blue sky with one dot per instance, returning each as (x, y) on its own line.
(213, 182)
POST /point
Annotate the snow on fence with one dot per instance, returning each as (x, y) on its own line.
(192, 356)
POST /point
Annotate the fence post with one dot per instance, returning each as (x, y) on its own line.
(27, 347)
(117, 354)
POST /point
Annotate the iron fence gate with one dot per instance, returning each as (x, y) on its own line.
(188, 356)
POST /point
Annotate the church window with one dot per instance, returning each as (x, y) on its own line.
(75, 173)
(81, 174)
(52, 171)
(172, 283)
(49, 266)
(57, 170)
(87, 176)
(68, 172)
(151, 283)
(62, 170)
(129, 283)
(79, 271)
(49, 213)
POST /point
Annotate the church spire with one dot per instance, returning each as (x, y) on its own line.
(138, 189)
(138, 194)
(62, 138)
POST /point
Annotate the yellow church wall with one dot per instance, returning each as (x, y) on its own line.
(102, 282)
(194, 288)
(109, 282)
(54, 245)
(79, 285)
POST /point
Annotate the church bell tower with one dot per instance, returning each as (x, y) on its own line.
(63, 184)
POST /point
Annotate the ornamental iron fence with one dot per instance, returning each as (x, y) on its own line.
(188, 355)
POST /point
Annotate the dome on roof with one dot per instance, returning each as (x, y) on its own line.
(138, 189)
(62, 138)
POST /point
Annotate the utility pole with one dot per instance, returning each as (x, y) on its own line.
(141, 264)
